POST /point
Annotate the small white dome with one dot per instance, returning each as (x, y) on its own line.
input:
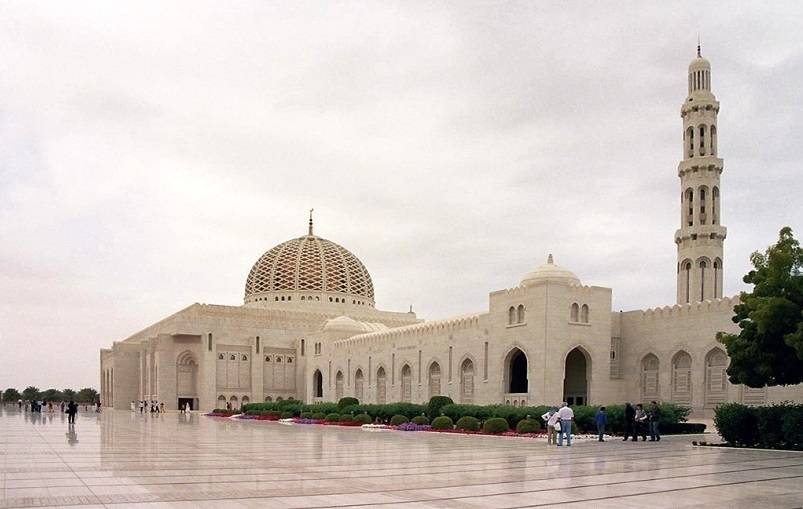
(549, 272)
(348, 324)
(699, 63)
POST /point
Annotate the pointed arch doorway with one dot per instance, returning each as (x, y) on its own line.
(576, 378)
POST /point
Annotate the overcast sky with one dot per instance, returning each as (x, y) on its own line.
(150, 152)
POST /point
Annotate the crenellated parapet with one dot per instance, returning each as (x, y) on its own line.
(684, 310)
(417, 330)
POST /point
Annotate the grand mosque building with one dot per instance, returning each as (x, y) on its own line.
(309, 327)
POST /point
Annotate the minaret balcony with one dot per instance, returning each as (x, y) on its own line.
(700, 164)
(700, 233)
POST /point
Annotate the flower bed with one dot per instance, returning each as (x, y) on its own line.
(251, 417)
(376, 427)
(218, 413)
(410, 426)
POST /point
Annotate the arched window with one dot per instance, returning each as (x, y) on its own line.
(381, 386)
(702, 140)
(511, 315)
(317, 384)
(520, 313)
(268, 399)
(358, 385)
(467, 381)
(406, 384)
(434, 379)
(649, 378)
(713, 140)
(715, 206)
(574, 314)
(221, 401)
(690, 206)
(716, 379)
(702, 194)
(681, 378)
(584, 313)
(235, 403)
(339, 385)
(703, 266)
(577, 372)
(690, 140)
(246, 400)
(717, 277)
(688, 281)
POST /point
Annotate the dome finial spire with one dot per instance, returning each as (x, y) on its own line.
(550, 260)
(310, 221)
(699, 46)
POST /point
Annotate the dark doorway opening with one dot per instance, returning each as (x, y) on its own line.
(184, 401)
(518, 372)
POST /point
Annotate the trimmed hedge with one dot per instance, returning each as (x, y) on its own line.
(528, 426)
(436, 403)
(362, 419)
(468, 423)
(347, 401)
(318, 416)
(420, 420)
(398, 419)
(778, 426)
(442, 422)
(333, 417)
(495, 425)
(346, 418)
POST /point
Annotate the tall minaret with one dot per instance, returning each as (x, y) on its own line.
(701, 235)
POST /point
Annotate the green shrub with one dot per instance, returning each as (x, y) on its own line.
(287, 415)
(363, 418)
(333, 417)
(468, 423)
(318, 416)
(436, 403)
(385, 412)
(495, 425)
(345, 402)
(528, 426)
(738, 424)
(398, 419)
(442, 422)
(346, 418)
(420, 419)
(321, 408)
(306, 415)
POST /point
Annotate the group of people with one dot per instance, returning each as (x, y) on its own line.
(48, 406)
(638, 422)
(151, 406)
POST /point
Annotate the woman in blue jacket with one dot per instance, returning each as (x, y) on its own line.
(601, 419)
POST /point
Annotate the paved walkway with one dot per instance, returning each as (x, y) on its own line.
(118, 459)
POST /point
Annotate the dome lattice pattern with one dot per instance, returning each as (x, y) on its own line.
(309, 263)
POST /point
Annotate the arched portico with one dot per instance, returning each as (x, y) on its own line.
(576, 378)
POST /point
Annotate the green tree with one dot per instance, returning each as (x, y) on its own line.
(11, 394)
(68, 394)
(87, 395)
(30, 393)
(52, 395)
(769, 348)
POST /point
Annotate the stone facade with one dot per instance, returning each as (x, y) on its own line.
(309, 328)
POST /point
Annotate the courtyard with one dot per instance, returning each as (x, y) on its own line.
(120, 459)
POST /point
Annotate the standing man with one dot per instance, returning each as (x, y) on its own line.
(641, 423)
(601, 420)
(566, 415)
(72, 409)
(653, 416)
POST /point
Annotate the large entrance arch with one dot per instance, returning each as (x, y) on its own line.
(575, 380)
(317, 384)
(187, 380)
(516, 372)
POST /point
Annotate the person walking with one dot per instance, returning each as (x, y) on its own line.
(641, 423)
(601, 419)
(653, 417)
(565, 414)
(72, 409)
(630, 422)
(142, 406)
(162, 407)
(550, 417)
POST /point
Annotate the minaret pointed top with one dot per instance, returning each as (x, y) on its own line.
(310, 221)
(550, 260)
(699, 46)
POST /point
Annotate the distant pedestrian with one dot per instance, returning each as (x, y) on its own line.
(141, 406)
(132, 406)
(551, 419)
(601, 420)
(630, 422)
(162, 407)
(566, 416)
(653, 417)
(641, 423)
(187, 408)
(72, 409)
(97, 406)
